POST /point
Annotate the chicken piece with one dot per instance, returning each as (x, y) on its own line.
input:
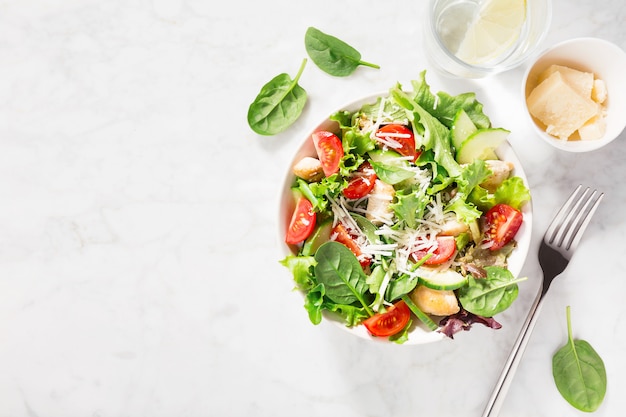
(379, 203)
(309, 169)
(435, 302)
(500, 171)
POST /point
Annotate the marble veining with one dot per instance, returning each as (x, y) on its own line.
(139, 253)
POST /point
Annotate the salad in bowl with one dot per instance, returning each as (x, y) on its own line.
(406, 217)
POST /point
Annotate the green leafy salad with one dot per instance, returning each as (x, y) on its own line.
(406, 217)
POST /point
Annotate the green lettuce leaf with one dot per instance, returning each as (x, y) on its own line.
(410, 205)
(444, 106)
(472, 176)
(512, 191)
(316, 192)
(301, 269)
(314, 303)
(466, 212)
(429, 132)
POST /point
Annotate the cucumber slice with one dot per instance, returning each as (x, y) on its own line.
(462, 128)
(481, 144)
(320, 235)
(423, 317)
(443, 280)
(388, 157)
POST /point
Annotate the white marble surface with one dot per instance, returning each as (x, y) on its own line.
(139, 269)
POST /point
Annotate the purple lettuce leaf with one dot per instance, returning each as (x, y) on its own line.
(463, 321)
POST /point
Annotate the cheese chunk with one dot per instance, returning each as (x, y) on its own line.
(559, 107)
(593, 129)
(598, 93)
(581, 82)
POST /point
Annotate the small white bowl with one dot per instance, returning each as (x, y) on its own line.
(603, 58)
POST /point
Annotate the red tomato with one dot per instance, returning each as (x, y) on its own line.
(341, 235)
(329, 151)
(302, 222)
(403, 136)
(502, 223)
(390, 322)
(446, 246)
(362, 183)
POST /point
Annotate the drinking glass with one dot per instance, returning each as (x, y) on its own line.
(448, 21)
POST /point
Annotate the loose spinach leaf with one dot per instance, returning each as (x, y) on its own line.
(490, 295)
(332, 55)
(278, 105)
(342, 275)
(579, 372)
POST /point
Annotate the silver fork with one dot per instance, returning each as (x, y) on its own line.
(556, 250)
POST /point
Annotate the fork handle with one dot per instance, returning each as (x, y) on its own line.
(508, 371)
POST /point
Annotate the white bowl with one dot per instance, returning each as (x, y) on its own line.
(603, 58)
(419, 334)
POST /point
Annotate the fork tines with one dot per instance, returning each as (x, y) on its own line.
(572, 219)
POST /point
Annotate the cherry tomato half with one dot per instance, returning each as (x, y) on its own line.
(402, 135)
(446, 246)
(302, 222)
(362, 183)
(390, 322)
(329, 151)
(501, 223)
(341, 235)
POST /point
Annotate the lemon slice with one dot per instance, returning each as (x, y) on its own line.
(496, 27)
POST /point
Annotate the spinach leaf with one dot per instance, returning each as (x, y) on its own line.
(400, 286)
(332, 55)
(278, 105)
(391, 174)
(579, 372)
(315, 303)
(490, 295)
(342, 275)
